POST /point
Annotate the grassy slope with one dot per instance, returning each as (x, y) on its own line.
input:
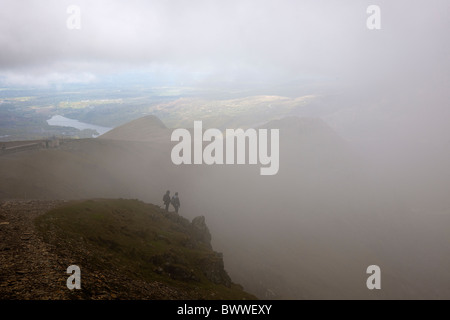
(139, 240)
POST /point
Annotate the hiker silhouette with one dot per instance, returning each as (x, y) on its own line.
(176, 202)
(166, 200)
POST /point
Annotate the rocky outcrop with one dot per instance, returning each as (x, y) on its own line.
(126, 249)
(211, 265)
(213, 268)
(200, 231)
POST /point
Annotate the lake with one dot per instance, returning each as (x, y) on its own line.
(61, 121)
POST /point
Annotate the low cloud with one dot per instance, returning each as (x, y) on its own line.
(229, 40)
(45, 79)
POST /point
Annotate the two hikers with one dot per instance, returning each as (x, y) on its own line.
(175, 201)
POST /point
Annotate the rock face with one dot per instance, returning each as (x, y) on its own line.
(212, 265)
(200, 231)
(213, 268)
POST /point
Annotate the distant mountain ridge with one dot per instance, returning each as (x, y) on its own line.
(142, 129)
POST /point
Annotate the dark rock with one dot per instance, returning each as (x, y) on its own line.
(179, 272)
(163, 238)
(200, 231)
(21, 271)
(175, 217)
(213, 268)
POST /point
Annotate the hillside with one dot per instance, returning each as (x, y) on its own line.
(126, 249)
(143, 129)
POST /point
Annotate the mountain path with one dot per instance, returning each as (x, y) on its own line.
(29, 267)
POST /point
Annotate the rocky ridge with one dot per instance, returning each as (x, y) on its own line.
(33, 268)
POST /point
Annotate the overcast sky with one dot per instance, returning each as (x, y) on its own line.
(222, 40)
